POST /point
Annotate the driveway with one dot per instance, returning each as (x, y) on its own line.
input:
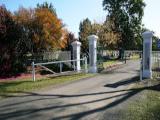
(94, 98)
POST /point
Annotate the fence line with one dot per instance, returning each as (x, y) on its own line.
(58, 62)
(156, 64)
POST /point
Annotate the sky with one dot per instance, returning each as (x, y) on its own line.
(72, 12)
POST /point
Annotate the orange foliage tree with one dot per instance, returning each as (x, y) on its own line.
(47, 30)
(42, 29)
(67, 39)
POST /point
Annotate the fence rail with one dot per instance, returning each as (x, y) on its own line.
(84, 60)
(156, 64)
(135, 54)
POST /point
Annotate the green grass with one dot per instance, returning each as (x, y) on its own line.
(9, 88)
(109, 63)
(147, 107)
(134, 57)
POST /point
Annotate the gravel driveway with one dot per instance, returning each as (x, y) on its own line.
(97, 98)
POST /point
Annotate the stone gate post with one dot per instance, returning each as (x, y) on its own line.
(147, 54)
(76, 54)
(93, 53)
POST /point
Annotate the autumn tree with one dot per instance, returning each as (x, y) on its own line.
(108, 38)
(47, 30)
(41, 27)
(27, 30)
(66, 39)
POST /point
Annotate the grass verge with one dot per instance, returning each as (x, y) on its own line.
(147, 107)
(110, 63)
(134, 57)
(9, 88)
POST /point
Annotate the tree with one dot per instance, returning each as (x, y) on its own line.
(10, 33)
(42, 29)
(85, 30)
(127, 17)
(47, 30)
(48, 6)
(24, 18)
(27, 30)
(69, 38)
(107, 38)
(155, 43)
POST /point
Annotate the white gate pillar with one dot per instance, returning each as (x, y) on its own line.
(147, 54)
(76, 54)
(93, 53)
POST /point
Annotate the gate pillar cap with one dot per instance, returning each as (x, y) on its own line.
(76, 43)
(147, 34)
(94, 37)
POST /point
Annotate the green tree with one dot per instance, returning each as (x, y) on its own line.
(24, 18)
(49, 6)
(107, 38)
(155, 43)
(10, 34)
(127, 19)
(85, 30)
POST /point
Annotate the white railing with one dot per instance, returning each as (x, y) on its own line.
(60, 64)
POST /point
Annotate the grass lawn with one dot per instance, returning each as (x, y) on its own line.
(9, 88)
(147, 107)
(134, 57)
(110, 62)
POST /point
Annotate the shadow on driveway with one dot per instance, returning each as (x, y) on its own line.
(123, 82)
(123, 97)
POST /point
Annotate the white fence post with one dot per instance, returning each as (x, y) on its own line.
(33, 71)
(85, 60)
(74, 67)
(141, 69)
(60, 67)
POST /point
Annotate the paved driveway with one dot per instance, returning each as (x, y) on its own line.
(90, 99)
